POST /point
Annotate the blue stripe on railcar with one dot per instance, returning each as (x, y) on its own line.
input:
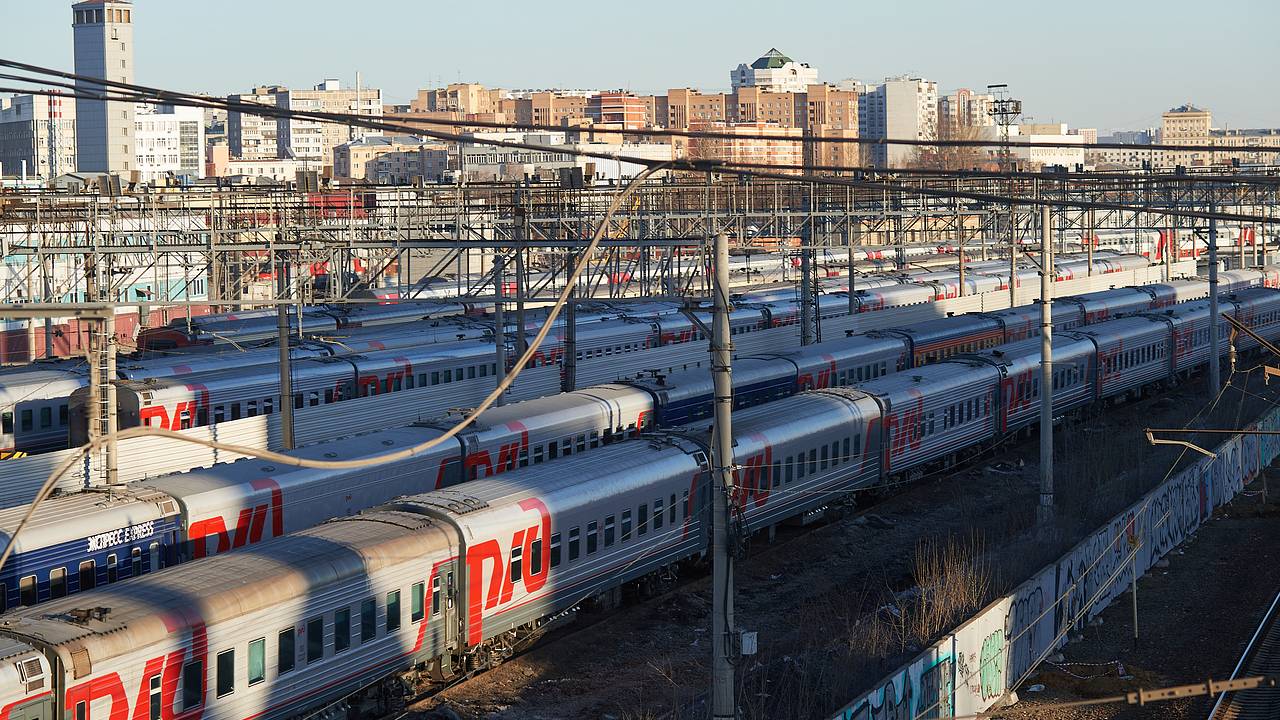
(68, 556)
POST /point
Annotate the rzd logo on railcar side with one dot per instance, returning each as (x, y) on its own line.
(249, 524)
(500, 586)
(169, 667)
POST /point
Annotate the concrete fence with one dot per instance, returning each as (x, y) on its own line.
(971, 669)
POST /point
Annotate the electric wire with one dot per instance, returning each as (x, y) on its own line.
(283, 459)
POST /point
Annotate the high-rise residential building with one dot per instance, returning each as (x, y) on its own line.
(169, 141)
(464, 98)
(253, 137)
(774, 72)
(103, 49)
(546, 107)
(964, 108)
(900, 108)
(761, 143)
(617, 108)
(686, 107)
(310, 140)
(37, 135)
(1185, 125)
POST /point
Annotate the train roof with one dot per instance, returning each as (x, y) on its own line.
(612, 470)
(234, 476)
(114, 620)
(90, 513)
(39, 385)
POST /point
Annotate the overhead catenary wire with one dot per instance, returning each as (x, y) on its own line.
(152, 95)
(772, 171)
(646, 132)
(486, 403)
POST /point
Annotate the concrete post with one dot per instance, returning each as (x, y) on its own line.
(1044, 512)
(723, 690)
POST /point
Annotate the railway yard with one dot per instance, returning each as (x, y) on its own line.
(487, 452)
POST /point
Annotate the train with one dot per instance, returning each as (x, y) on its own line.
(441, 583)
(209, 511)
(39, 418)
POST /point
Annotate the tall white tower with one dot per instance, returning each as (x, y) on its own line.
(104, 49)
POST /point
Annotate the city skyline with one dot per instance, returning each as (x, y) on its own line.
(1092, 87)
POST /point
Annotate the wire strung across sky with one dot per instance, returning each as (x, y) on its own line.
(129, 92)
(654, 132)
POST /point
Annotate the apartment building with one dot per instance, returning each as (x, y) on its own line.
(37, 136)
(254, 137)
(310, 140)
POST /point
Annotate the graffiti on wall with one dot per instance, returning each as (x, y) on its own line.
(923, 689)
(993, 651)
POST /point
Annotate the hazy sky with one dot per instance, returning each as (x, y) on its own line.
(1113, 65)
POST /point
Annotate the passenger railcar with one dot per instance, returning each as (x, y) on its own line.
(453, 578)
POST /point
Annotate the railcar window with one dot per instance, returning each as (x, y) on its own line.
(88, 576)
(315, 639)
(417, 602)
(657, 514)
(435, 595)
(341, 629)
(684, 503)
(154, 697)
(28, 590)
(845, 448)
(393, 611)
(368, 618)
(516, 552)
(813, 461)
(136, 560)
(592, 535)
(835, 453)
(285, 649)
(257, 661)
(671, 511)
(573, 544)
(58, 582)
(46, 417)
(825, 454)
(535, 557)
(790, 465)
(6, 423)
(608, 531)
(626, 526)
(226, 673)
(642, 519)
(26, 420)
(192, 684)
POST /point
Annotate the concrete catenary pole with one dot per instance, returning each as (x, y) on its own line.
(499, 321)
(806, 272)
(282, 341)
(723, 690)
(1215, 357)
(1013, 256)
(1044, 512)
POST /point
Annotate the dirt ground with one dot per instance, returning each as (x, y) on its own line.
(832, 604)
(1194, 619)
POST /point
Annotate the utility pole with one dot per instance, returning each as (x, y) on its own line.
(102, 370)
(569, 374)
(723, 690)
(1215, 382)
(499, 322)
(1044, 512)
(1091, 233)
(806, 272)
(521, 230)
(1013, 256)
(282, 342)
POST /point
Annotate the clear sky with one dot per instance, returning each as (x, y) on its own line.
(1113, 64)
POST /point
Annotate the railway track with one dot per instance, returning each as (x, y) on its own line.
(1261, 657)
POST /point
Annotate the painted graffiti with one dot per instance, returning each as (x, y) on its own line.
(970, 669)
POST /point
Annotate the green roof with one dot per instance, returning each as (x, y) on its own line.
(771, 60)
